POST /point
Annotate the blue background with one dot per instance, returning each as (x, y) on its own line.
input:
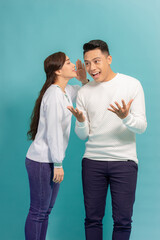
(30, 31)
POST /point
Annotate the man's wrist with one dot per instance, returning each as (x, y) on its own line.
(81, 124)
(127, 118)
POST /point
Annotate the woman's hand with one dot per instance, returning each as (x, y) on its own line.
(58, 175)
(81, 72)
(78, 114)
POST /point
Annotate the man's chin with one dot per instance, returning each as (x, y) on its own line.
(98, 80)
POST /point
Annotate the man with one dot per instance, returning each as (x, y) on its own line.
(110, 111)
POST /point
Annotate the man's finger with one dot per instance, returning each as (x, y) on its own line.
(118, 105)
(114, 108)
(77, 111)
(124, 104)
(71, 109)
(129, 103)
(111, 110)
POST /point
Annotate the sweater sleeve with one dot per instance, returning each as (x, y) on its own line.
(136, 119)
(54, 113)
(82, 128)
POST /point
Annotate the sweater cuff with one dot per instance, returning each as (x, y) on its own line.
(81, 124)
(57, 165)
(126, 119)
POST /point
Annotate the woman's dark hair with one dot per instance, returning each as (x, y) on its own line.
(51, 64)
(93, 44)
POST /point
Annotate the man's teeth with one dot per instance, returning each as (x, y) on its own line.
(95, 73)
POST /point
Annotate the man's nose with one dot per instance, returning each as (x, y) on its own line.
(92, 67)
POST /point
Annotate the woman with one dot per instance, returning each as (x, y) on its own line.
(49, 130)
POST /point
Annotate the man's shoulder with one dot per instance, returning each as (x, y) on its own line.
(87, 87)
(129, 80)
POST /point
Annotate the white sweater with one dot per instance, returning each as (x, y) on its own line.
(54, 125)
(109, 137)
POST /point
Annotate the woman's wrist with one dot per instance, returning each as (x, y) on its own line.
(58, 165)
(85, 81)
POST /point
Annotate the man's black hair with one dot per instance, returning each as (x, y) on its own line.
(93, 44)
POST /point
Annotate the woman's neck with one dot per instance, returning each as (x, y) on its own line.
(62, 83)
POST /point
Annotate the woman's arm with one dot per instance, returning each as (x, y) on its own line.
(54, 113)
(81, 76)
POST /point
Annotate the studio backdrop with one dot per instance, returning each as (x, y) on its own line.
(30, 31)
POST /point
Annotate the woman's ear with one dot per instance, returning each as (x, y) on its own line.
(58, 72)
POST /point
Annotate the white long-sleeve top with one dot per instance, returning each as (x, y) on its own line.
(53, 132)
(109, 137)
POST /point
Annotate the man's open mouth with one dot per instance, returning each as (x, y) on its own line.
(95, 75)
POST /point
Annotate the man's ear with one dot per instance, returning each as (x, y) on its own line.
(58, 72)
(109, 59)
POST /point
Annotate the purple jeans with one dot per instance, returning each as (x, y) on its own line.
(43, 193)
(122, 177)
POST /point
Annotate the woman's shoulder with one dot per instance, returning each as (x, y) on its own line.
(52, 93)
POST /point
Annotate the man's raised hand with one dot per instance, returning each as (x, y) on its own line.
(123, 111)
(78, 114)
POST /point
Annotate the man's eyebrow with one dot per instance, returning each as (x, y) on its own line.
(92, 59)
(67, 59)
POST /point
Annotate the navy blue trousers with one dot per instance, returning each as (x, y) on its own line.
(122, 178)
(43, 193)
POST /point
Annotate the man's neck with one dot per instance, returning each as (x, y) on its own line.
(110, 76)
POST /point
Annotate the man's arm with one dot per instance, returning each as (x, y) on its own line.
(132, 114)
